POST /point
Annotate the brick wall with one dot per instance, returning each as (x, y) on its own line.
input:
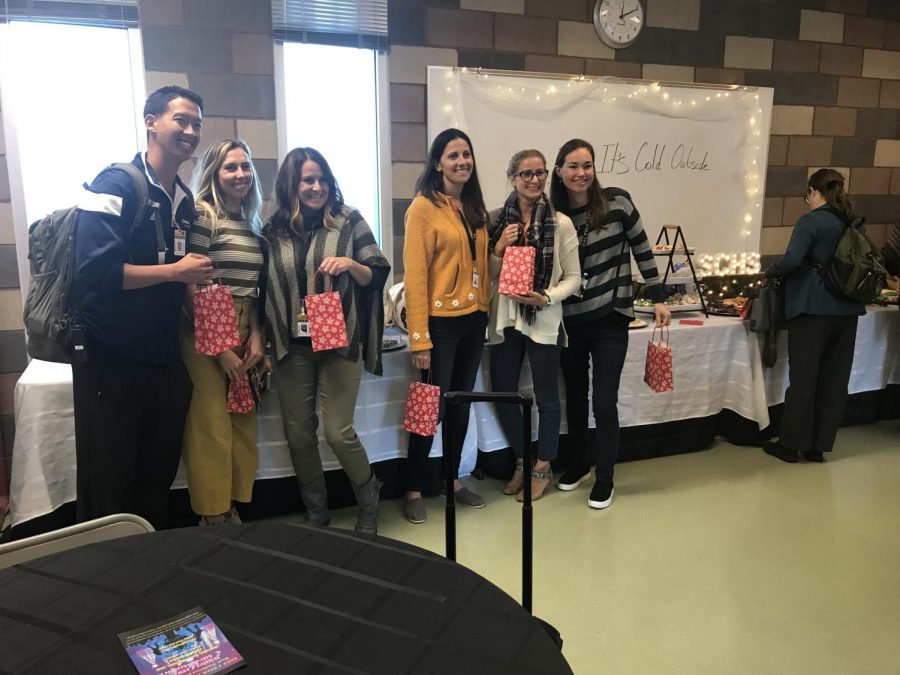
(222, 49)
(834, 66)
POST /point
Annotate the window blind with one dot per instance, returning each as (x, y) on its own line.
(346, 23)
(113, 14)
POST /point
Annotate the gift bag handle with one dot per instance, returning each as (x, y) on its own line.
(208, 287)
(329, 282)
(664, 335)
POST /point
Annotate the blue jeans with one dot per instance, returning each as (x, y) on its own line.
(506, 366)
(603, 348)
(457, 344)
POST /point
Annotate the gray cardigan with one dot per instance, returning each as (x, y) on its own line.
(816, 234)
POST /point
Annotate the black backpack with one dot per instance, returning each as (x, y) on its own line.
(855, 270)
(50, 314)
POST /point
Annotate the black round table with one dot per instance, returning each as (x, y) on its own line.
(291, 598)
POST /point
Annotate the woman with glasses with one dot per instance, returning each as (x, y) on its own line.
(319, 243)
(447, 297)
(821, 326)
(609, 231)
(531, 323)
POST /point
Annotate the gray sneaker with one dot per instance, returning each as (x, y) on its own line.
(414, 510)
(468, 498)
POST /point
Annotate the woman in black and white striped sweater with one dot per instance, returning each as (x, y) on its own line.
(609, 230)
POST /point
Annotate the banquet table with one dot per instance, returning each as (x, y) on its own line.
(290, 598)
(717, 368)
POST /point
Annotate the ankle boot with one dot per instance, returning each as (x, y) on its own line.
(367, 499)
(315, 498)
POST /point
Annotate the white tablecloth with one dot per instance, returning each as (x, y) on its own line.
(717, 366)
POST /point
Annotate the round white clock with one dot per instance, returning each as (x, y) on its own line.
(618, 22)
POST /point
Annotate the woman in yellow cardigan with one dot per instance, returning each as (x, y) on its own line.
(447, 292)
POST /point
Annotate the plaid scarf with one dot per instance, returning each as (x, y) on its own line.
(540, 235)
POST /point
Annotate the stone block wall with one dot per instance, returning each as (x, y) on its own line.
(834, 66)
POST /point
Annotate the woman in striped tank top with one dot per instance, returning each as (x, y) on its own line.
(219, 450)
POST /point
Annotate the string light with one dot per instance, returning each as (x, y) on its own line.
(653, 96)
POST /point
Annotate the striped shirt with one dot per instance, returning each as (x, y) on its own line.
(606, 262)
(233, 248)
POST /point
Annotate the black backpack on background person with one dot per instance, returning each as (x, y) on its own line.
(855, 270)
(50, 315)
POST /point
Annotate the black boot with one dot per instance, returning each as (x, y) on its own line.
(367, 499)
(315, 498)
(776, 449)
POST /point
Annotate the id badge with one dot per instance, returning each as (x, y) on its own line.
(180, 243)
(301, 328)
(476, 279)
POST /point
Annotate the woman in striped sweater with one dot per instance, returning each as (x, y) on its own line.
(219, 448)
(596, 319)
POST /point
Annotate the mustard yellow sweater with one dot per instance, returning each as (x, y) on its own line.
(438, 268)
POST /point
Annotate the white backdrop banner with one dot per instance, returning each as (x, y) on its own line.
(688, 154)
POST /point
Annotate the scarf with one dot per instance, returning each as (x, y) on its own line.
(540, 235)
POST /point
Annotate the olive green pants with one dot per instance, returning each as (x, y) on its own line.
(304, 377)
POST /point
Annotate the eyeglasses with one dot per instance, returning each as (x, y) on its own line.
(528, 174)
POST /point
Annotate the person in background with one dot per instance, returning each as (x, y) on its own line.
(445, 254)
(132, 392)
(821, 326)
(219, 450)
(596, 319)
(531, 323)
(315, 238)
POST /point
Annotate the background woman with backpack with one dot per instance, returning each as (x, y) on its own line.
(821, 325)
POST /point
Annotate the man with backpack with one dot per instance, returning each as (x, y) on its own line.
(130, 269)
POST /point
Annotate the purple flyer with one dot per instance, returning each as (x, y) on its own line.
(187, 643)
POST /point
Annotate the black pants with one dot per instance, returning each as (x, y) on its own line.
(506, 366)
(820, 357)
(602, 348)
(129, 423)
(458, 342)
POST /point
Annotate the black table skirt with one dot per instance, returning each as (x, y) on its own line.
(291, 598)
(280, 496)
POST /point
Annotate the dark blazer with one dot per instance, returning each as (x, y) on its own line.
(815, 235)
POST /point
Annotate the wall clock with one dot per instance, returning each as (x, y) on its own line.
(618, 22)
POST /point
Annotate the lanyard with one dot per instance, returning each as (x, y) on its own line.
(469, 234)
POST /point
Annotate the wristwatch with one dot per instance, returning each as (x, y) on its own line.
(549, 299)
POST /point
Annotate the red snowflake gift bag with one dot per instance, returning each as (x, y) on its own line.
(517, 273)
(325, 313)
(240, 396)
(658, 372)
(423, 404)
(215, 324)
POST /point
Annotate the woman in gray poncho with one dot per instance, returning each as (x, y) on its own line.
(313, 235)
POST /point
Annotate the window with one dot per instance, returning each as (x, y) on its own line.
(72, 100)
(332, 93)
(74, 109)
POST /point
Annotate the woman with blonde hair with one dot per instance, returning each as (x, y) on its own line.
(821, 326)
(531, 323)
(318, 242)
(219, 448)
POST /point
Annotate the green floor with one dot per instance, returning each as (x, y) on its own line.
(722, 561)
